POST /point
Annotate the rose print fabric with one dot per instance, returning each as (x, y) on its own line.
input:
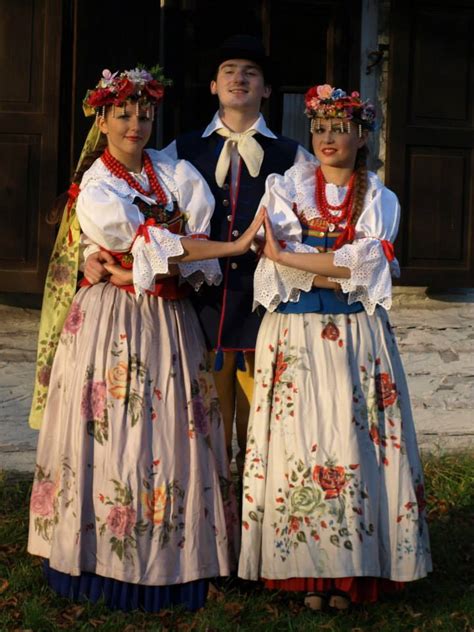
(132, 478)
(333, 484)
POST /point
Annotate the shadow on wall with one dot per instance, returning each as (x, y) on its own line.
(17, 299)
(451, 295)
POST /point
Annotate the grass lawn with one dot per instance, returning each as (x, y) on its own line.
(444, 601)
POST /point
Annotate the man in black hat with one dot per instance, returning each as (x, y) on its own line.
(235, 153)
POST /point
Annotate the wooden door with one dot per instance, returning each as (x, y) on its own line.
(30, 38)
(431, 139)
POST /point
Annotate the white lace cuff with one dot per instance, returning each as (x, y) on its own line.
(151, 257)
(198, 272)
(370, 281)
(274, 283)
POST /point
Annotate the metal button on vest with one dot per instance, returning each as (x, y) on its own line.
(234, 265)
(229, 218)
(235, 233)
(225, 202)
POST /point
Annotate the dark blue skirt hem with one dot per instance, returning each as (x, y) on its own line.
(118, 595)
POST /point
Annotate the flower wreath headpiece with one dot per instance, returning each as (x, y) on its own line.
(324, 101)
(144, 86)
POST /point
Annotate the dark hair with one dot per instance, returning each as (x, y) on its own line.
(55, 214)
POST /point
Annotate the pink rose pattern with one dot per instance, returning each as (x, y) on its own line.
(46, 495)
(74, 319)
(42, 498)
(94, 397)
(121, 520)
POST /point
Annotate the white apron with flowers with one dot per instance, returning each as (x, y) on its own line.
(333, 484)
(132, 479)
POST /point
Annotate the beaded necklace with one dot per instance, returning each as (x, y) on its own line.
(119, 171)
(325, 209)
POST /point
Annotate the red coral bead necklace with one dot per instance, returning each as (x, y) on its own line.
(119, 171)
(326, 209)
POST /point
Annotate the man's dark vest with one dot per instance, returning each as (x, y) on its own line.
(225, 311)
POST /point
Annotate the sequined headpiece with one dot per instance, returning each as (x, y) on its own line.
(144, 86)
(324, 101)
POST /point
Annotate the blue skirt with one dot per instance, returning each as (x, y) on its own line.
(119, 595)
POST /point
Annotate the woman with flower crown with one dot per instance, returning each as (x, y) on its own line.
(333, 486)
(132, 499)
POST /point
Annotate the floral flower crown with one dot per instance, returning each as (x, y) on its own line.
(324, 101)
(146, 86)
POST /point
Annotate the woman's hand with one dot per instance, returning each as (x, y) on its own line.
(244, 242)
(271, 248)
(118, 275)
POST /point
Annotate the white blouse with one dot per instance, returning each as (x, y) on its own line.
(109, 218)
(370, 281)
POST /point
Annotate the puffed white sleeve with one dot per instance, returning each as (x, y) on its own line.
(197, 202)
(114, 223)
(370, 256)
(275, 283)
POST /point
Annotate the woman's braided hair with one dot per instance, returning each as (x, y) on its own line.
(361, 184)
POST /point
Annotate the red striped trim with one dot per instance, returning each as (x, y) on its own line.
(197, 236)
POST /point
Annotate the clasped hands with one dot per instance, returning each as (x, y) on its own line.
(102, 265)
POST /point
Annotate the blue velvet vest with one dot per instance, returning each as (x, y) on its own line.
(225, 312)
(321, 300)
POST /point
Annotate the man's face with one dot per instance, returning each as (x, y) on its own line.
(240, 85)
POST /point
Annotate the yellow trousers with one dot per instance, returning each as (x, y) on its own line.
(235, 389)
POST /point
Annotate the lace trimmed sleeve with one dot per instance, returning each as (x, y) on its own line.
(114, 223)
(197, 201)
(273, 282)
(370, 256)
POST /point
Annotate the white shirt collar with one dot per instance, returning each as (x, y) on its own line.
(260, 126)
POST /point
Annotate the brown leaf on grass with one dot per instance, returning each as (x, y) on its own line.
(36, 561)
(163, 614)
(412, 613)
(234, 608)
(186, 627)
(95, 623)
(273, 610)
(8, 552)
(11, 602)
(214, 594)
(69, 615)
(4, 583)
(295, 606)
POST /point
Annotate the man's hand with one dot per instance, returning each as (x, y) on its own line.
(94, 269)
(118, 275)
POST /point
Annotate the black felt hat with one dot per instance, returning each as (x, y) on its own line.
(245, 47)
